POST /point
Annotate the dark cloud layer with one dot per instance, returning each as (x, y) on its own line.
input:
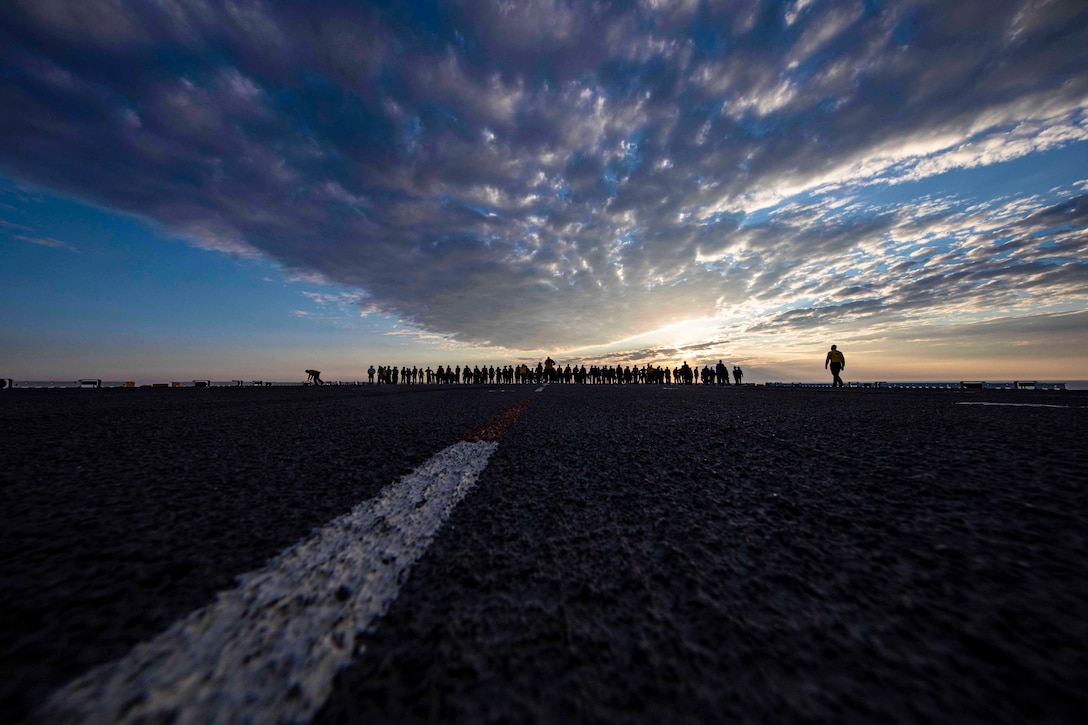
(550, 173)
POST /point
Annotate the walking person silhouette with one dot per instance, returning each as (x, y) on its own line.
(837, 363)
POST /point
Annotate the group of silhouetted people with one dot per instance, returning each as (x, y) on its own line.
(549, 371)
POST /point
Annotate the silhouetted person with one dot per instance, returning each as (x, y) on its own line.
(837, 362)
(370, 374)
(685, 373)
(737, 374)
(313, 376)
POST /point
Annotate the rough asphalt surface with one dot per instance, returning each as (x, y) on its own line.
(630, 553)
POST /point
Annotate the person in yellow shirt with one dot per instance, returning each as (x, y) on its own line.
(837, 362)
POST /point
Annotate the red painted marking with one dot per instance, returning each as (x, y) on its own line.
(496, 428)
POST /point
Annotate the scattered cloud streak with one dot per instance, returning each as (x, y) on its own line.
(552, 174)
(46, 242)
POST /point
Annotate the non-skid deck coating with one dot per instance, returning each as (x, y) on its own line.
(633, 554)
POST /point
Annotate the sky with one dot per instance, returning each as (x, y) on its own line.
(243, 190)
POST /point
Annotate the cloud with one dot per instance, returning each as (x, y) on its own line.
(551, 173)
(46, 242)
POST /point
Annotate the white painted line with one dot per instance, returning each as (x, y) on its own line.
(1014, 405)
(541, 388)
(268, 650)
